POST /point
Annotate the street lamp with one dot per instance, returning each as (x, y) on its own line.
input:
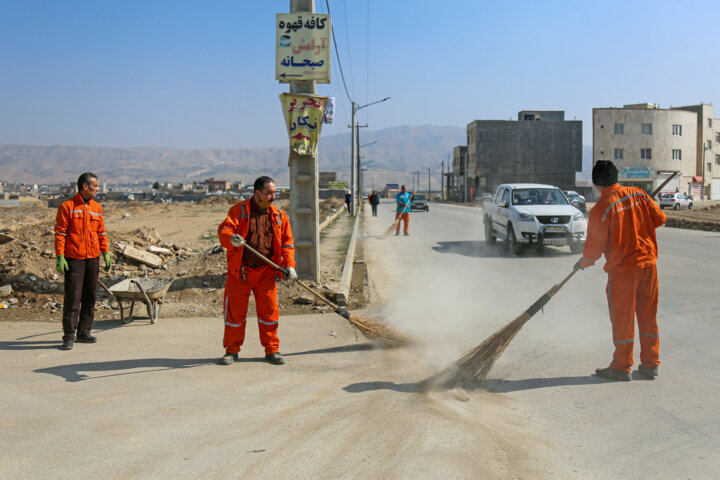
(361, 182)
(355, 148)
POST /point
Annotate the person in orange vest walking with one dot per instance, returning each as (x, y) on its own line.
(265, 228)
(622, 226)
(80, 238)
(402, 213)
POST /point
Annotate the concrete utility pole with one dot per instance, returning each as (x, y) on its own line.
(442, 180)
(355, 146)
(304, 196)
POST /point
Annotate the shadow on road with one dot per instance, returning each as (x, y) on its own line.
(358, 347)
(31, 344)
(369, 386)
(71, 373)
(505, 386)
(478, 248)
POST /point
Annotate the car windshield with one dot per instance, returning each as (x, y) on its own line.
(538, 196)
(419, 197)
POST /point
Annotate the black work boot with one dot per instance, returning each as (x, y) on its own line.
(275, 358)
(650, 372)
(67, 345)
(613, 374)
(85, 339)
(229, 359)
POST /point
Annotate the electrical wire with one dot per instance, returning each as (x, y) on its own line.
(337, 56)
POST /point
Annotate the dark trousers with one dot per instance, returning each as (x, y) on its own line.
(81, 281)
(374, 209)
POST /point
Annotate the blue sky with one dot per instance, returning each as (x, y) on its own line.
(201, 74)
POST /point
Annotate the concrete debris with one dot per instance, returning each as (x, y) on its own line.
(154, 249)
(147, 258)
(303, 300)
(5, 290)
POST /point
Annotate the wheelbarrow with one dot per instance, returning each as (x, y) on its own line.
(150, 291)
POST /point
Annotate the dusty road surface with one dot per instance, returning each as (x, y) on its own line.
(149, 401)
(444, 284)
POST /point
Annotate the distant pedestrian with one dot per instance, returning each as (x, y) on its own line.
(348, 201)
(402, 213)
(622, 226)
(373, 199)
(80, 238)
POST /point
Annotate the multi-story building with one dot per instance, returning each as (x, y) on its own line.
(459, 181)
(650, 144)
(540, 147)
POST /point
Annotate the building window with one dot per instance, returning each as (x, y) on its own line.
(717, 138)
(646, 128)
(717, 159)
(677, 154)
(646, 153)
(619, 129)
(710, 122)
(677, 130)
(618, 154)
(709, 144)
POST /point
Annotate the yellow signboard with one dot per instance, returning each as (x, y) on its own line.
(303, 117)
(302, 47)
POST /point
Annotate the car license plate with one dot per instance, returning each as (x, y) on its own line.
(555, 229)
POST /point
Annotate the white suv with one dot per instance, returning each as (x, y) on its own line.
(533, 214)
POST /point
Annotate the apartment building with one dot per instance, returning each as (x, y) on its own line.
(650, 144)
(540, 147)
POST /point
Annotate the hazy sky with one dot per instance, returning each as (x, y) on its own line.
(198, 74)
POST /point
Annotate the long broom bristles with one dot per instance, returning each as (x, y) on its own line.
(472, 368)
(392, 227)
(382, 334)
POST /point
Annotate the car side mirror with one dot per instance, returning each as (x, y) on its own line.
(502, 204)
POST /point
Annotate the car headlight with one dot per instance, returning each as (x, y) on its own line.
(578, 216)
(525, 217)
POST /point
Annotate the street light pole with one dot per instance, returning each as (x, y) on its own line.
(355, 148)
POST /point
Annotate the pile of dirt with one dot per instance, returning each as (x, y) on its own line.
(707, 218)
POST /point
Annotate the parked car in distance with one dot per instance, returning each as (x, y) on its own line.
(675, 200)
(576, 200)
(522, 214)
(419, 202)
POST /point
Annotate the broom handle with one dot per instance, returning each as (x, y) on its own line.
(535, 307)
(284, 270)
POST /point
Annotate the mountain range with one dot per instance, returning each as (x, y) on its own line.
(398, 153)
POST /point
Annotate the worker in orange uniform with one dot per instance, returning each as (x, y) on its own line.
(622, 226)
(265, 228)
(402, 212)
(79, 239)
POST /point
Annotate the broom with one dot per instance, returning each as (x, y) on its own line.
(472, 368)
(397, 220)
(371, 329)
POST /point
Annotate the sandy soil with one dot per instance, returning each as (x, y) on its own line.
(196, 259)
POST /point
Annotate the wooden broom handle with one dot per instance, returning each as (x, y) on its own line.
(284, 270)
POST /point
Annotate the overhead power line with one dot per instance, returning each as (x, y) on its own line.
(337, 56)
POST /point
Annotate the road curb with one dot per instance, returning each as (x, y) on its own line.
(330, 219)
(342, 296)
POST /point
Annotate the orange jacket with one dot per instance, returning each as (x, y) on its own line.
(622, 225)
(238, 221)
(80, 229)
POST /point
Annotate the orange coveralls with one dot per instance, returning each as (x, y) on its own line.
(622, 226)
(240, 281)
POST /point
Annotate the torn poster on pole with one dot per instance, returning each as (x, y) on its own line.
(303, 117)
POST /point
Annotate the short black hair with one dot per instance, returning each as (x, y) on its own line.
(85, 179)
(604, 173)
(259, 184)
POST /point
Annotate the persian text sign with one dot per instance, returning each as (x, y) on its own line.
(302, 48)
(303, 117)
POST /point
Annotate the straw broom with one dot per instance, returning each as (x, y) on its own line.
(397, 220)
(472, 368)
(382, 334)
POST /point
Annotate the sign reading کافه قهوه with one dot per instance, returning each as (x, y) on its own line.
(302, 48)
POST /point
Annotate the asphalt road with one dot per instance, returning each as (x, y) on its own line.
(445, 284)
